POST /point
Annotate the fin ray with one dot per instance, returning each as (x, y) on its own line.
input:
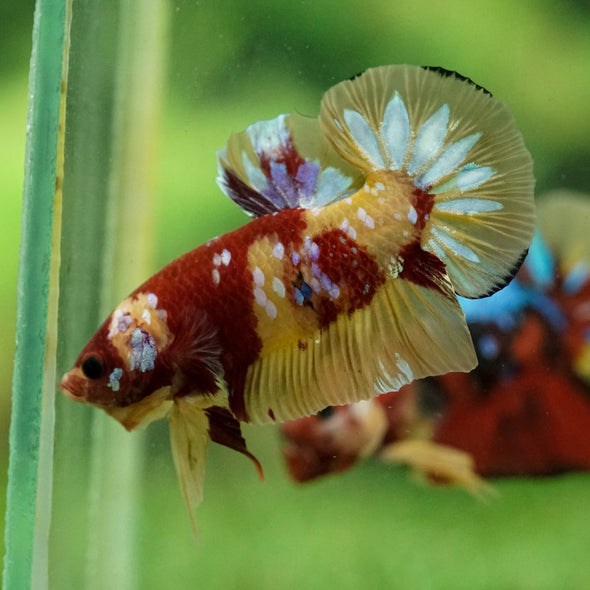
(455, 142)
(189, 436)
(408, 331)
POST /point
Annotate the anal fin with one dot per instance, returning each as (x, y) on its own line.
(411, 329)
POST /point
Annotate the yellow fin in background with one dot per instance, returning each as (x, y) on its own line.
(564, 221)
(455, 142)
(441, 462)
(407, 332)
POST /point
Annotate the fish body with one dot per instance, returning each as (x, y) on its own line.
(411, 187)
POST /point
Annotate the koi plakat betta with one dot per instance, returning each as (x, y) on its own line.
(412, 186)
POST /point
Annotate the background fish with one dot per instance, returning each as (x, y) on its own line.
(524, 410)
(411, 187)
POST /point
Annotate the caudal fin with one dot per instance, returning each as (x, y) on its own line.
(456, 142)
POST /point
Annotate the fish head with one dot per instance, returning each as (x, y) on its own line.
(121, 366)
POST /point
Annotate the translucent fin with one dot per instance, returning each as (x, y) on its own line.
(189, 435)
(283, 163)
(431, 460)
(564, 221)
(455, 142)
(407, 332)
(194, 421)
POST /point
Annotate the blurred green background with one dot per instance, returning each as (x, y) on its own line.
(231, 63)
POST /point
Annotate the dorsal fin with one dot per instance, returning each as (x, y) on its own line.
(454, 141)
(283, 163)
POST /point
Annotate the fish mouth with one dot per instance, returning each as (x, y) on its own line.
(72, 385)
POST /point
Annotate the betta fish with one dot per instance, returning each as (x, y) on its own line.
(523, 411)
(412, 186)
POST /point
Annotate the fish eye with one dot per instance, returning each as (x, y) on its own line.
(92, 368)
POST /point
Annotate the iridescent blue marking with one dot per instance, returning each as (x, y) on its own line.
(144, 351)
(305, 290)
(576, 278)
(284, 183)
(114, 379)
(298, 296)
(540, 262)
(307, 177)
(504, 307)
(488, 347)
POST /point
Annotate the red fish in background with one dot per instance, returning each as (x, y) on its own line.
(524, 410)
(411, 187)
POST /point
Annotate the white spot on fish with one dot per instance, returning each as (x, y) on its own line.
(364, 136)
(314, 251)
(258, 277)
(278, 251)
(315, 285)
(395, 129)
(152, 300)
(271, 310)
(352, 232)
(146, 316)
(216, 259)
(412, 215)
(225, 257)
(369, 222)
(325, 282)
(278, 287)
(348, 201)
(379, 186)
(469, 206)
(295, 258)
(215, 276)
(454, 245)
(260, 296)
(403, 366)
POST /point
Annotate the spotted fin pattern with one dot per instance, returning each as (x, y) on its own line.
(283, 163)
(455, 142)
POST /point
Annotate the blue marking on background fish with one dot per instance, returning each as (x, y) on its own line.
(504, 307)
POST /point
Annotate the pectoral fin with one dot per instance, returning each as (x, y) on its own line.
(189, 435)
(194, 420)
